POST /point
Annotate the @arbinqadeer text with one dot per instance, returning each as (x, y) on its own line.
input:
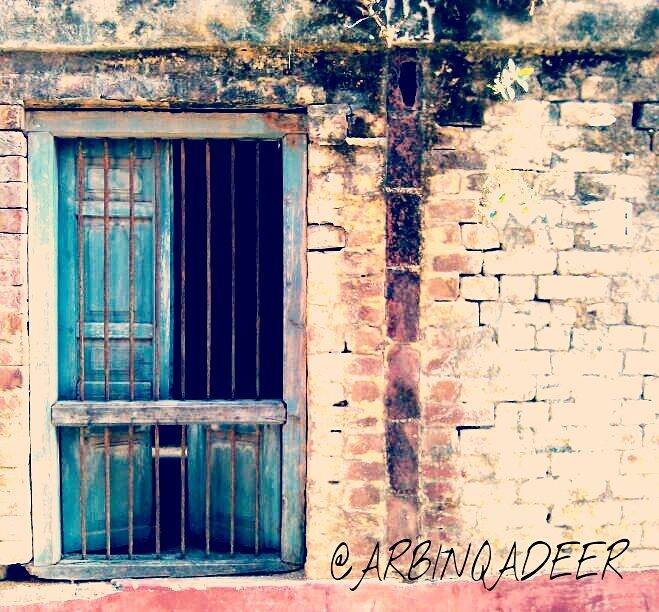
(425, 561)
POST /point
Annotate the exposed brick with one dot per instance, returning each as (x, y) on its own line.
(403, 229)
(10, 378)
(402, 456)
(13, 168)
(402, 518)
(13, 195)
(11, 117)
(445, 391)
(445, 288)
(364, 391)
(402, 396)
(405, 149)
(13, 143)
(11, 272)
(366, 471)
(10, 325)
(364, 496)
(465, 262)
(452, 210)
(402, 305)
(13, 221)
(364, 444)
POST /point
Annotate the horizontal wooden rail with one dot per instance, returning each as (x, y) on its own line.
(168, 412)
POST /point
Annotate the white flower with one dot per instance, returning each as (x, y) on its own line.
(504, 83)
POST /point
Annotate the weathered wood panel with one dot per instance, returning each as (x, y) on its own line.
(70, 124)
(97, 567)
(168, 412)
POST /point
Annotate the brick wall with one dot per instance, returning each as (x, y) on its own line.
(539, 343)
(15, 526)
(465, 382)
(514, 398)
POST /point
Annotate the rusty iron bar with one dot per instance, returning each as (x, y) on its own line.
(257, 194)
(233, 269)
(209, 292)
(131, 491)
(183, 477)
(207, 493)
(83, 492)
(81, 270)
(156, 443)
(232, 535)
(182, 269)
(108, 525)
(257, 488)
(131, 269)
(156, 302)
(106, 268)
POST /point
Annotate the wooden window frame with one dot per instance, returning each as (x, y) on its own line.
(43, 128)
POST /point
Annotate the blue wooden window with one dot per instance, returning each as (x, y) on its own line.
(109, 383)
(170, 269)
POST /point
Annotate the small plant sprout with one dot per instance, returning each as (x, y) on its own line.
(504, 83)
(371, 10)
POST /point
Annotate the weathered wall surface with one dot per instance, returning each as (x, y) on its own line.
(15, 524)
(171, 23)
(465, 382)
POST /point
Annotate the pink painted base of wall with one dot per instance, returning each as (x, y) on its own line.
(636, 591)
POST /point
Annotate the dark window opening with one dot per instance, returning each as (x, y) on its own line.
(407, 83)
(246, 263)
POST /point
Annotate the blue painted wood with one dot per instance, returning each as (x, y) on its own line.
(69, 346)
(295, 371)
(245, 491)
(42, 305)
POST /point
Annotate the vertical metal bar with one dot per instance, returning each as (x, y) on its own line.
(81, 270)
(83, 492)
(131, 491)
(106, 268)
(209, 292)
(183, 457)
(207, 496)
(183, 269)
(257, 489)
(257, 195)
(232, 539)
(156, 443)
(106, 456)
(233, 269)
(156, 293)
(131, 269)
